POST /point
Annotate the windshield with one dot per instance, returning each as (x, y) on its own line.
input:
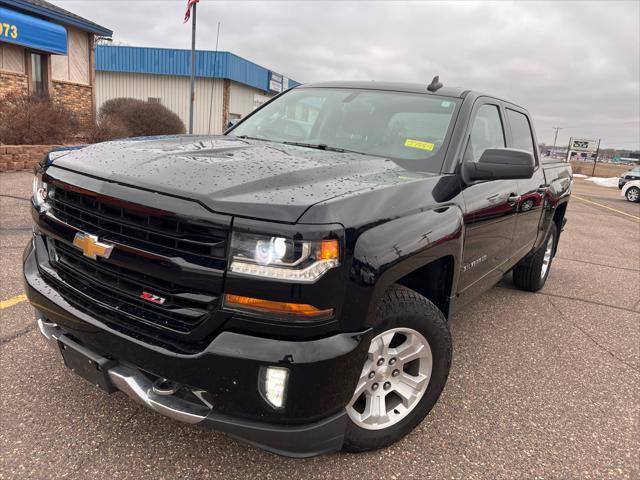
(403, 126)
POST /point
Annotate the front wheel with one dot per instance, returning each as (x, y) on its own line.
(633, 194)
(405, 371)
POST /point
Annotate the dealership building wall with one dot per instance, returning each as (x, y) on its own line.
(227, 86)
(49, 51)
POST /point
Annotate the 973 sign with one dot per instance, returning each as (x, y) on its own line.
(584, 145)
(8, 30)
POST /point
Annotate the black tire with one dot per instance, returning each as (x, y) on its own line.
(527, 275)
(403, 307)
(633, 192)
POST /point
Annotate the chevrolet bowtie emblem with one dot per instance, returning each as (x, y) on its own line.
(91, 247)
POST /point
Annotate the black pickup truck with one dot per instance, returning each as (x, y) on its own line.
(290, 282)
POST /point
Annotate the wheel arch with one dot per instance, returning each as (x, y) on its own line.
(634, 184)
(433, 281)
(630, 184)
(558, 218)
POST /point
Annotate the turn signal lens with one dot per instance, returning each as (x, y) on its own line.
(257, 305)
(329, 250)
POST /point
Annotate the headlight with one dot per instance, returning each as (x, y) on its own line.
(39, 190)
(302, 261)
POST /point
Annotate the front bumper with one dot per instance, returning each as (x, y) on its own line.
(219, 386)
(621, 182)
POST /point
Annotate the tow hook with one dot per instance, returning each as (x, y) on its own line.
(162, 386)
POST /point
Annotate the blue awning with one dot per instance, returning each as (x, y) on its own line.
(32, 32)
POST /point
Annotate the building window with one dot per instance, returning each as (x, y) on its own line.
(38, 74)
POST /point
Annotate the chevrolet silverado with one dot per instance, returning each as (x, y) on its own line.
(290, 283)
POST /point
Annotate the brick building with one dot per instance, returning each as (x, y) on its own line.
(47, 50)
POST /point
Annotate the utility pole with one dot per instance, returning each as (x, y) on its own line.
(595, 159)
(193, 67)
(555, 139)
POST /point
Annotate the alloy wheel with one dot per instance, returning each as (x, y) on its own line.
(547, 257)
(394, 379)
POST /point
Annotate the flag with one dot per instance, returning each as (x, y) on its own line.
(187, 14)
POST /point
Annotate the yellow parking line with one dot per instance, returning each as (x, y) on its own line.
(12, 301)
(604, 206)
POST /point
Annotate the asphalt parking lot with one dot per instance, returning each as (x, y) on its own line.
(543, 385)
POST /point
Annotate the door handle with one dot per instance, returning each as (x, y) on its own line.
(513, 199)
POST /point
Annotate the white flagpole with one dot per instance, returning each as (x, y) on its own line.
(193, 67)
(213, 83)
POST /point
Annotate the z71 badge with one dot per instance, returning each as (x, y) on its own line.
(150, 297)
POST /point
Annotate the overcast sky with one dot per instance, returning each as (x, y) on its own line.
(573, 64)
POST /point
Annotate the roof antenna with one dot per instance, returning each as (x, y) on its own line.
(435, 84)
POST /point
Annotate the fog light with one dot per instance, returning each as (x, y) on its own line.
(273, 385)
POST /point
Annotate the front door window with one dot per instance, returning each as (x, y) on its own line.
(487, 132)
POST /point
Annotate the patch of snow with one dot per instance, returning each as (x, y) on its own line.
(604, 182)
(579, 175)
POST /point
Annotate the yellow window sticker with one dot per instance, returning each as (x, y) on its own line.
(418, 144)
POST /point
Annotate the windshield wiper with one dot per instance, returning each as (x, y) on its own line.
(322, 146)
(246, 137)
(317, 146)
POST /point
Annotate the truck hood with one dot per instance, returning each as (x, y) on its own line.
(235, 176)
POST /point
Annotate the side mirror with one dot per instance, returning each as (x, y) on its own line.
(232, 123)
(499, 164)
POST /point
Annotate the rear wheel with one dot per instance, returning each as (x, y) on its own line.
(405, 371)
(633, 194)
(532, 272)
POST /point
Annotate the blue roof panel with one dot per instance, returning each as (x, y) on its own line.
(164, 61)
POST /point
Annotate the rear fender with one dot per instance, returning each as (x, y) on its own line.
(558, 193)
